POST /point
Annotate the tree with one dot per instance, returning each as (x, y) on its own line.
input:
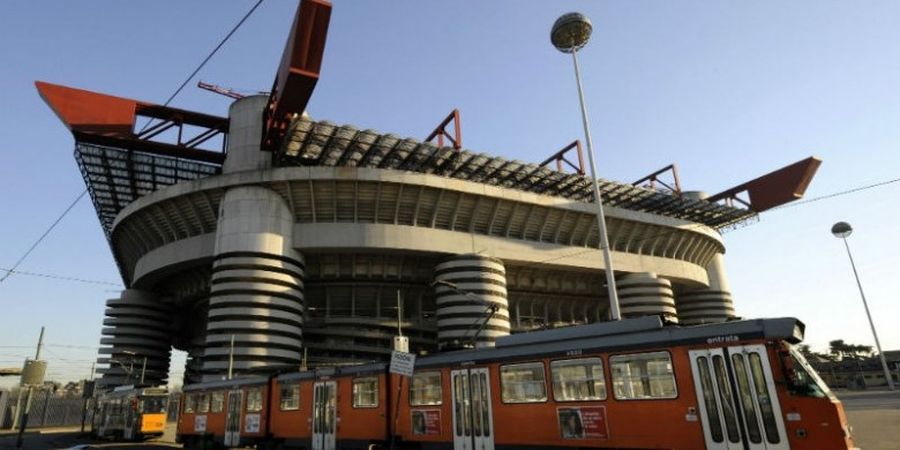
(810, 355)
(842, 350)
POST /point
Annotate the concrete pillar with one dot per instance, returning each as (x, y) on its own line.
(644, 294)
(480, 281)
(256, 291)
(245, 124)
(136, 326)
(711, 304)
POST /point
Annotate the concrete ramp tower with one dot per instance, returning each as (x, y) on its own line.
(645, 294)
(256, 293)
(472, 285)
(136, 327)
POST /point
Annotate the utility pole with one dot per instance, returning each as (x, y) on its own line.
(231, 357)
(85, 396)
(399, 314)
(30, 380)
(40, 346)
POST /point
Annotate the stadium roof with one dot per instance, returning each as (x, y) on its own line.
(116, 176)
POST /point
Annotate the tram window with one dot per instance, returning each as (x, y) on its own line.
(365, 392)
(643, 376)
(764, 398)
(805, 382)
(727, 400)
(153, 405)
(523, 383)
(203, 403)
(425, 389)
(254, 400)
(217, 402)
(578, 380)
(709, 400)
(190, 403)
(460, 390)
(746, 396)
(290, 396)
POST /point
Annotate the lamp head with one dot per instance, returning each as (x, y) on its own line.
(841, 230)
(571, 32)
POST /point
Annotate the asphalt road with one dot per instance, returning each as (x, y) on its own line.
(875, 418)
(71, 438)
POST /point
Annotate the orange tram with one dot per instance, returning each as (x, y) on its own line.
(635, 383)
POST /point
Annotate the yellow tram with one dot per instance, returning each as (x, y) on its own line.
(130, 413)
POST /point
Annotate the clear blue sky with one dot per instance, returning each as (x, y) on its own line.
(727, 90)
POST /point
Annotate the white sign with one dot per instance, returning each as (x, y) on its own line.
(251, 424)
(199, 424)
(402, 363)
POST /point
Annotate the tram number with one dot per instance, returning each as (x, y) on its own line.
(574, 352)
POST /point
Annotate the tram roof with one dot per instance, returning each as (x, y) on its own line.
(627, 334)
(233, 383)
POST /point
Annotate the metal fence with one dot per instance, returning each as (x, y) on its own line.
(47, 410)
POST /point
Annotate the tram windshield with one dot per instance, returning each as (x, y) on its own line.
(153, 405)
(806, 381)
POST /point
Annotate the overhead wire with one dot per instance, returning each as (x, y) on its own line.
(700, 225)
(11, 270)
(58, 277)
(206, 60)
(836, 194)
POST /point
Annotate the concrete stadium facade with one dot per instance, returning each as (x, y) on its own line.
(306, 259)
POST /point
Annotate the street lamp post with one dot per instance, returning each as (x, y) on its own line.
(842, 230)
(569, 34)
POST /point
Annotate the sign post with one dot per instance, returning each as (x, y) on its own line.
(402, 363)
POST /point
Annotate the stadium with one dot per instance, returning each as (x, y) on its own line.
(269, 239)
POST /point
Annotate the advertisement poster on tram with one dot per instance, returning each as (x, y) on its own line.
(586, 422)
(426, 422)
(251, 424)
(200, 423)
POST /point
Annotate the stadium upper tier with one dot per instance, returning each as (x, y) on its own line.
(118, 176)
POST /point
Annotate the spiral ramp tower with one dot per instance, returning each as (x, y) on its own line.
(472, 307)
(710, 304)
(645, 294)
(136, 328)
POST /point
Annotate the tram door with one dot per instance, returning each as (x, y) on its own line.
(324, 415)
(128, 428)
(473, 425)
(233, 419)
(737, 398)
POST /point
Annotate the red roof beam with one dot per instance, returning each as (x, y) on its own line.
(109, 120)
(299, 70)
(775, 188)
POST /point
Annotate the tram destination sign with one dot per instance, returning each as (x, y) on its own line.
(402, 363)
